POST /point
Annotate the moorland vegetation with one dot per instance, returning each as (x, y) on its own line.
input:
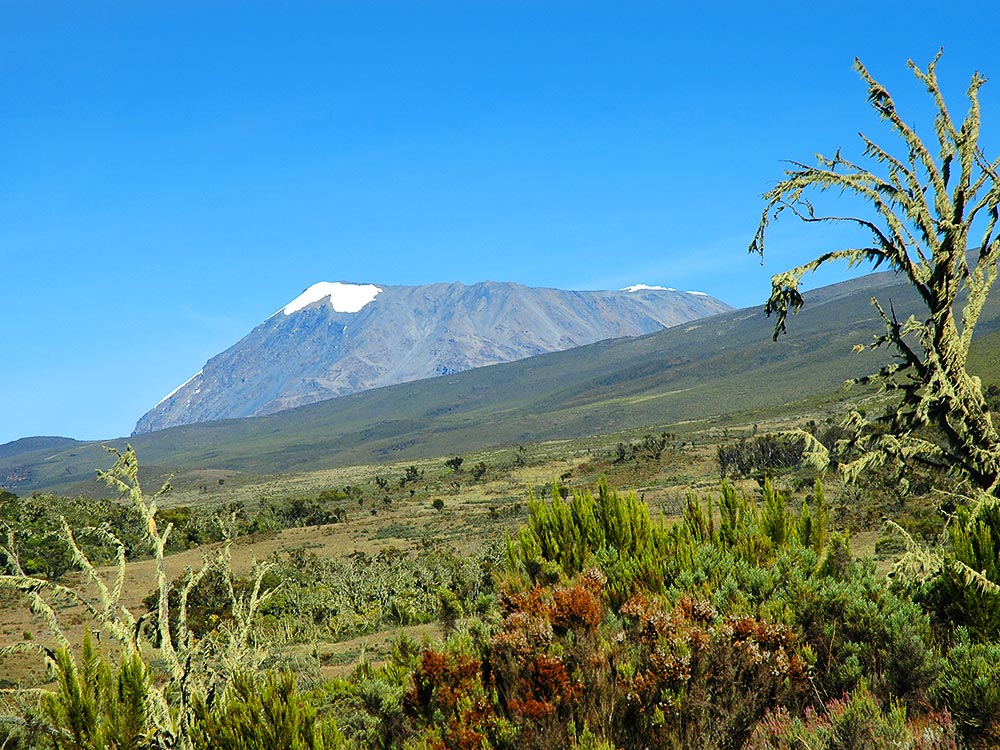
(745, 620)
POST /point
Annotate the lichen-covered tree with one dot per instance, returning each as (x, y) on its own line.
(932, 217)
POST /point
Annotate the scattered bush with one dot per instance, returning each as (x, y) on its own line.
(759, 453)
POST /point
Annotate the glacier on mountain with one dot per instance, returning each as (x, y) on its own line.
(344, 298)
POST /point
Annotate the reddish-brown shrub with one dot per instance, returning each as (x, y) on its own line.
(576, 608)
(449, 686)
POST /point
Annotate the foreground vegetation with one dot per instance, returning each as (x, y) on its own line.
(746, 622)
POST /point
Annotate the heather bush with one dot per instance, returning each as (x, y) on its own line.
(969, 685)
(262, 713)
(98, 705)
(966, 591)
(855, 722)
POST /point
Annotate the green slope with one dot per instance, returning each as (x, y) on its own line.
(35, 445)
(716, 366)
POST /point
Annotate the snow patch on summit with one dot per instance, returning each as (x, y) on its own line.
(647, 288)
(345, 298)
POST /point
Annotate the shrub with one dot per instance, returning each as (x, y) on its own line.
(100, 705)
(700, 680)
(759, 453)
(860, 630)
(855, 722)
(569, 534)
(966, 593)
(970, 686)
(446, 700)
(262, 713)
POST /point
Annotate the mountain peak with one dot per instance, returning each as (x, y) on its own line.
(344, 297)
(346, 344)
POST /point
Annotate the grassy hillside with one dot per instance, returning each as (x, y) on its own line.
(708, 372)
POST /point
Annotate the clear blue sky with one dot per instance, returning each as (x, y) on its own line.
(171, 173)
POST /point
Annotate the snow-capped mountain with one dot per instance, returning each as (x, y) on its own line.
(338, 338)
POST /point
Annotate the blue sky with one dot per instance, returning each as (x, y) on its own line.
(171, 173)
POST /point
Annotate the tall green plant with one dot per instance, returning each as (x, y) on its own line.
(965, 590)
(262, 713)
(613, 531)
(569, 533)
(98, 706)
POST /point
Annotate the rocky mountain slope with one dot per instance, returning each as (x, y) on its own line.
(338, 338)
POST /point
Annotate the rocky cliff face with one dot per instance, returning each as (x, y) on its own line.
(338, 338)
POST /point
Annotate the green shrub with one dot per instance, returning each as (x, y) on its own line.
(369, 705)
(613, 528)
(969, 686)
(262, 713)
(99, 705)
(859, 629)
(856, 722)
(957, 596)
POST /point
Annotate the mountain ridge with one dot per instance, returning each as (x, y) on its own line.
(338, 338)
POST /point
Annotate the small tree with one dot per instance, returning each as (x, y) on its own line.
(924, 205)
(412, 474)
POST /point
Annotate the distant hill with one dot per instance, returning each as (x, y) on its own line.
(34, 444)
(337, 339)
(16, 457)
